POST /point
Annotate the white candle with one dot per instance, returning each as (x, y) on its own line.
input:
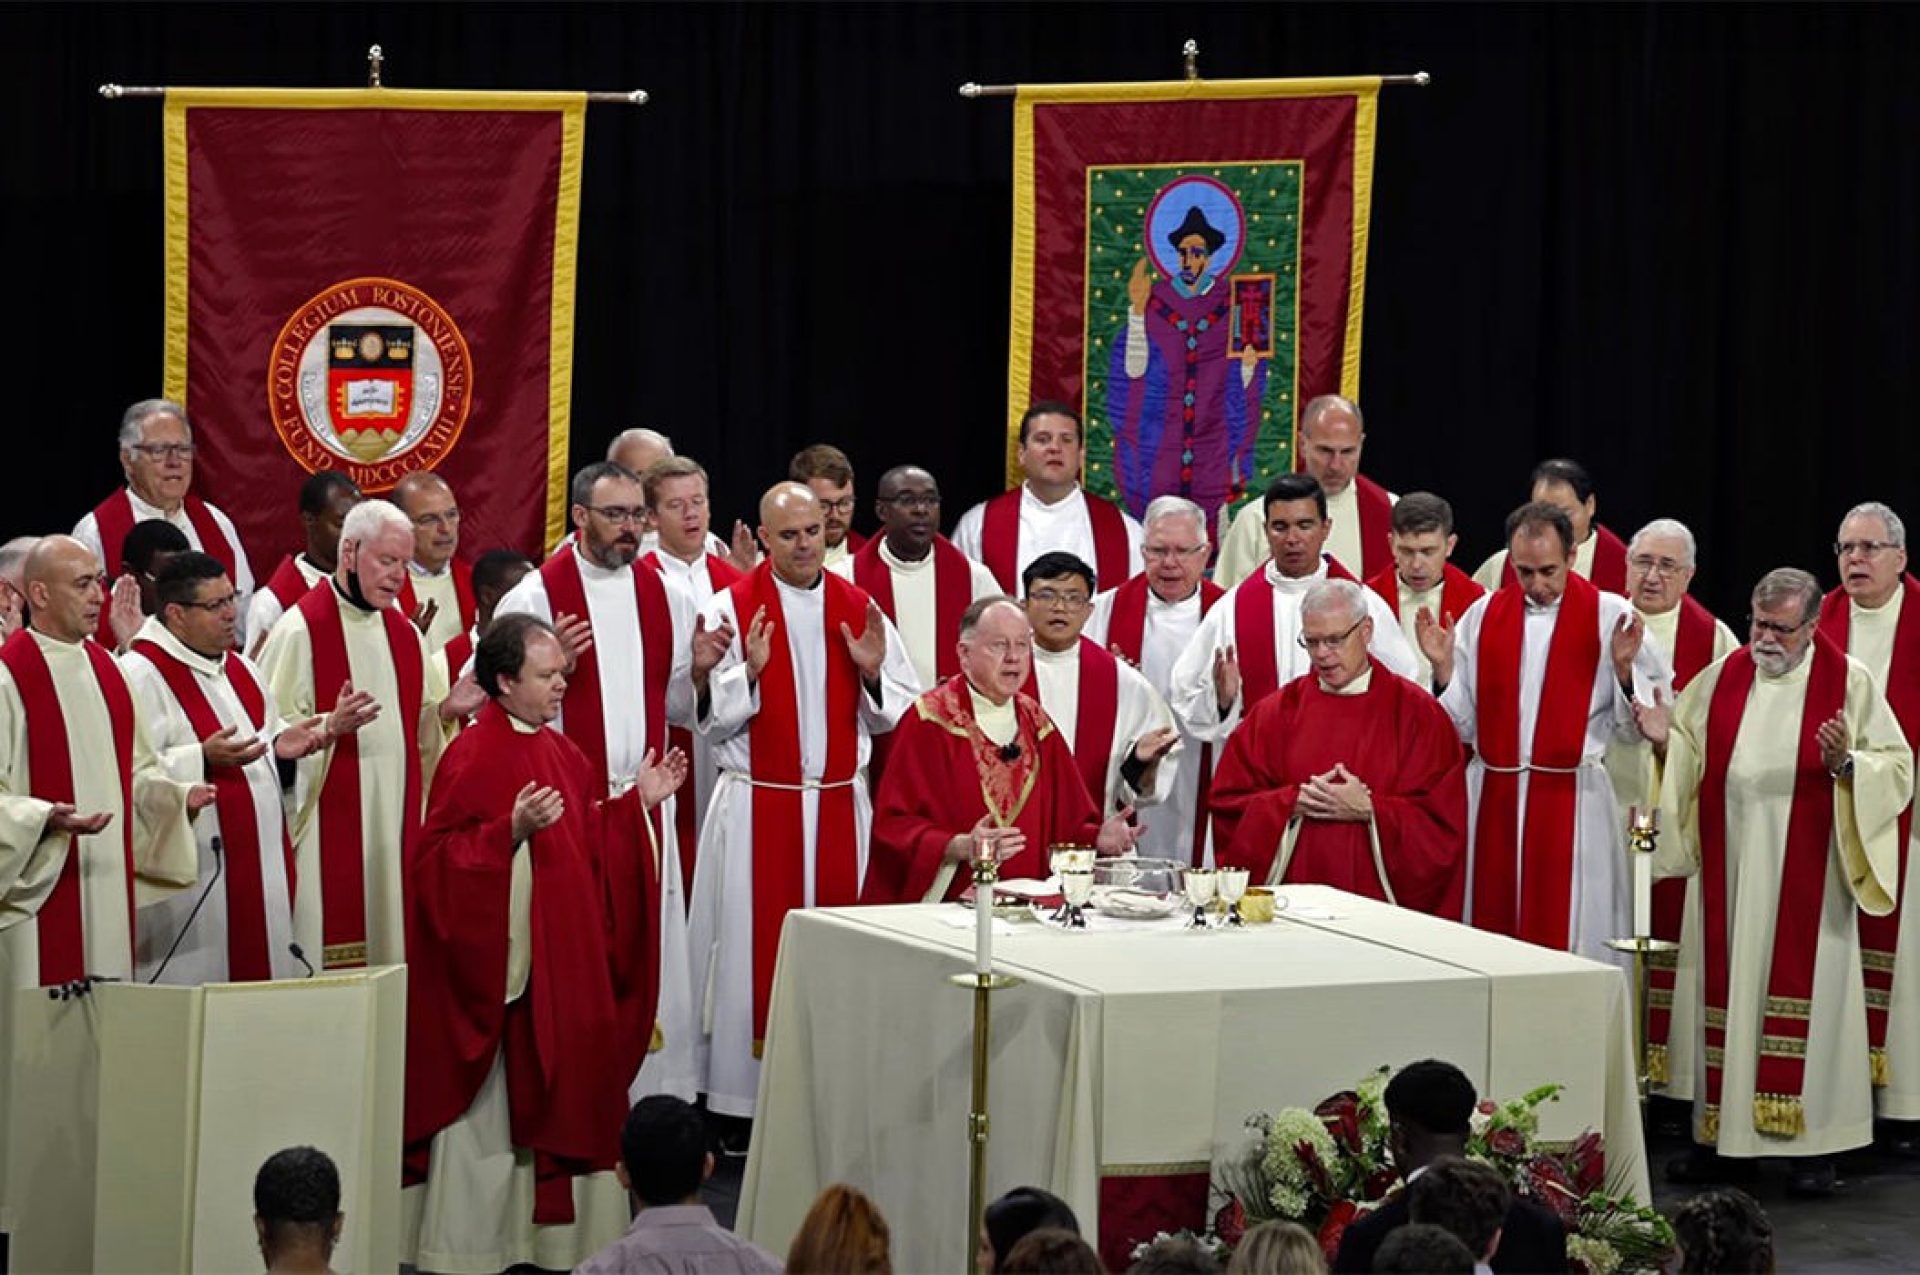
(1642, 824)
(983, 928)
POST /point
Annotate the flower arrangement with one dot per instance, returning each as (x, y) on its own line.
(1326, 1167)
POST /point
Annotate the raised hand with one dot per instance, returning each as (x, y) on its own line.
(1226, 679)
(1155, 744)
(986, 836)
(658, 780)
(710, 646)
(1117, 833)
(423, 614)
(124, 615)
(760, 643)
(1623, 644)
(199, 797)
(576, 637)
(228, 747)
(1139, 286)
(1436, 642)
(301, 739)
(1655, 721)
(536, 807)
(463, 700)
(869, 650)
(351, 711)
(1836, 742)
(742, 552)
(64, 818)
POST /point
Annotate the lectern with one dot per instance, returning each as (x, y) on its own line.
(139, 1115)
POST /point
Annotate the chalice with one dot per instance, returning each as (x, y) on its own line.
(1200, 885)
(1077, 885)
(1233, 888)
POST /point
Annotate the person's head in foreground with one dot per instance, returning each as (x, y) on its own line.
(663, 1152)
(1053, 1251)
(1417, 1249)
(1014, 1216)
(1174, 1255)
(296, 1209)
(1784, 606)
(1278, 1248)
(1429, 1104)
(1723, 1232)
(843, 1234)
(1465, 1197)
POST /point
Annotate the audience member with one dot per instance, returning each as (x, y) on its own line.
(1424, 1250)
(296, 1210)
(843, 1234)
(1174, 1255)
(1015, 1215)
(1278, 1248)
(1053, 1251)
(1724, 1232)
(1467, 1198)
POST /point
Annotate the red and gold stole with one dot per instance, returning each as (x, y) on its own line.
(952, 594)
(1005, 782)
(343, 868)
(1098, 705)
(61, 929)
(1253, 636)
(113, 519)
(1540, 914)
(1781, 1076)
(462, 591)
(1880, 935)
(1000, 539)
(249, 956)
(773, 749)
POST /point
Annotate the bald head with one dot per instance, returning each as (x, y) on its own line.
(64, 588)
(899, 476)
(639, 449)
(429, 505)
(793, 532)
(996, 647)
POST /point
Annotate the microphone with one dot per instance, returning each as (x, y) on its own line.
(1009, 752)
(301, 957)
(219, 862)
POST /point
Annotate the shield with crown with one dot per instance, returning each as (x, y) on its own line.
(370, 385)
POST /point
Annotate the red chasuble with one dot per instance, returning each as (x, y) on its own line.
(1781, 1076)
(1253, 634)
(343, 868)
(1000, 539)
(1539, 912)
(1093, 719)
(1458, 590)
(1609, 563)
(952, 594)
(249, 957)
(1398, 740)
(577, 1035)
(945, 774)
(62, 935)
(113, 519)
(1880, 935)
(409, 602)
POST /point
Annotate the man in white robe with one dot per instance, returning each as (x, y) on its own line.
(439, 587)
(1785, 775)
(633, 633)
(810, 643)
(1332, 437)
(1148, 622)
(1050, 511)
(208, 718)
(825, 471)
(326, 497)
(1229, 666)
(1598, 554)
(1093, 697)
(366, 648)
(1546, 860)
(1421, 577)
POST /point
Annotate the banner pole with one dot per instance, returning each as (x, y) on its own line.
(1418, 80)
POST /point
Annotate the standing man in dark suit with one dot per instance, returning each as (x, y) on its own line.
(1429, 1104)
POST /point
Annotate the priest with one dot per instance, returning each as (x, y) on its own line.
(1112, 719)
(1350, 776)
(326, 497)
(1422, 578)
(208, 717)
(812, 669)
(530, 977)
(1248, 646)
(1050, 510)
(1538, 676)
(978, 765)
(1148, 622)
(1785, 778)
(438, 591)
(357, 803)
(1332, 437)
(1874, 616)
(1599, 555)
(825, 470)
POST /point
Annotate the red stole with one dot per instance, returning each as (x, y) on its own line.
(583, 716)
(1781, 1076)
(462, 592)
(773, 749)
(1253, 637)
(1376, 524)
(952, 595)
(1127, 638)
(458, 650)
(62, 934)
(1000, 539)
(855, 542)
(1458, 590)
(1880, 935)
(1539, 915)
(113, 519)
(1609, 563)
(343, 868)
(1093, 719)
(249, 958)
(287, 585)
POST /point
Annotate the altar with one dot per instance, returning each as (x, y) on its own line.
(1131, 1053)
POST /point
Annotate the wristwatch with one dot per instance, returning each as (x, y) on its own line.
(1846, 769)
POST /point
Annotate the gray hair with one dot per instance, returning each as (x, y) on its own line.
(369, 518)
(1335, 595)
(977, 611)
(134, 417)
(1321, 404)
(1782, 583)
(13, 558)
(1671, 528)
(1896, 530)
(651, 437)
(1175, 507)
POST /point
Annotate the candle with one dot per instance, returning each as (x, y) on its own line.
(1640, 854)
(983, 922)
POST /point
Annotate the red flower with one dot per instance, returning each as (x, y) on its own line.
(1507, 1142)
(1548, 1183)
(1339, 1217)
(1341, 1115)
(1230, 1223)
(1588, 1162)
(1487, 1107)
(1317, 1172)
(1382, 1181)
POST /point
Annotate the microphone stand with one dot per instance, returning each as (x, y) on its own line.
(219, 862)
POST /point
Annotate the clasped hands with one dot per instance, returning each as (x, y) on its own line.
(1337, 796)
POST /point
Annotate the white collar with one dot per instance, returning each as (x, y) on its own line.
(1358, 686)
(1031, 500)
(1069, 656)
(161, 636)
(1289, 584)
(591, 570)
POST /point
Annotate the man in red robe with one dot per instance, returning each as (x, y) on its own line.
(531, 980)
(1029, 795)
(1350, 776)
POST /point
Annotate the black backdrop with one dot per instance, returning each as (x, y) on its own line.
(1682, 244)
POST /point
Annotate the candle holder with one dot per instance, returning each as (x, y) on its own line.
(983, 982)
(1643, 834)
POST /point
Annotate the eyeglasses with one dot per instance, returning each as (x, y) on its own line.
(1773, 629)
(1865, 548)
(844, 505)
(1328, 643)
(225, 602)
(912, 501)
(451, 518)
(163, 451)
(1170, 553)
(1665, 566)
(620, 513)
(1058, 601)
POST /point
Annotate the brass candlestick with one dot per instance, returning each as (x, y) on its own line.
(984, 982)
(1643, 833)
